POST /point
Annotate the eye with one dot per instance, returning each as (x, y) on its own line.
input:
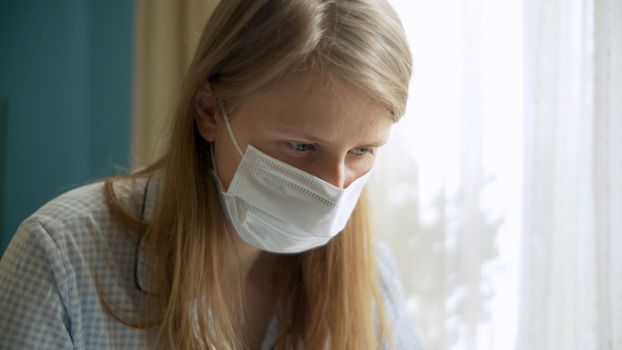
(300, 147)
(360, 152)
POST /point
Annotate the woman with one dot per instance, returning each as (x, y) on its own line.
(249, 232)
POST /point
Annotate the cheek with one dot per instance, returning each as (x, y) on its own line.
(361, 166)
(226, 170)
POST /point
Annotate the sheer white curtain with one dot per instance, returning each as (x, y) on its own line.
(504, 179)
(572, 240)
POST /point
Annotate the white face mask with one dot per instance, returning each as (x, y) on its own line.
(281, 209)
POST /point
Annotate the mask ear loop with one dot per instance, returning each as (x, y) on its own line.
(231, 136)
(229, 131)
(211, 152)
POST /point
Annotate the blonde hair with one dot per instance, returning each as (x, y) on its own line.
(330, 295)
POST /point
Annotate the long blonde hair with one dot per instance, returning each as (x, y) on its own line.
(330, 295)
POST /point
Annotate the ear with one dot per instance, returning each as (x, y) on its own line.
(205, 106)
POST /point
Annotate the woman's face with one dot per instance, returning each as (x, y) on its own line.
(327, 130)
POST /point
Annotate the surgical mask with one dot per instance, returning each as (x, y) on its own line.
(281, 209)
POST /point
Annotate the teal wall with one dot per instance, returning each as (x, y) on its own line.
(65, 71)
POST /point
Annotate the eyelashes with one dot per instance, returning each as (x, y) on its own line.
(301, 148)
(362, 151)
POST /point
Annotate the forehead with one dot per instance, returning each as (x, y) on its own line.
(319, 106)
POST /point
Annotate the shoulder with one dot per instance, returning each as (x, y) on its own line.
(394, 299)
(82, 214)
(51, 271)
(389, 277)
(387, 267)
(74, 233)
(85, 204)
(74, 229)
